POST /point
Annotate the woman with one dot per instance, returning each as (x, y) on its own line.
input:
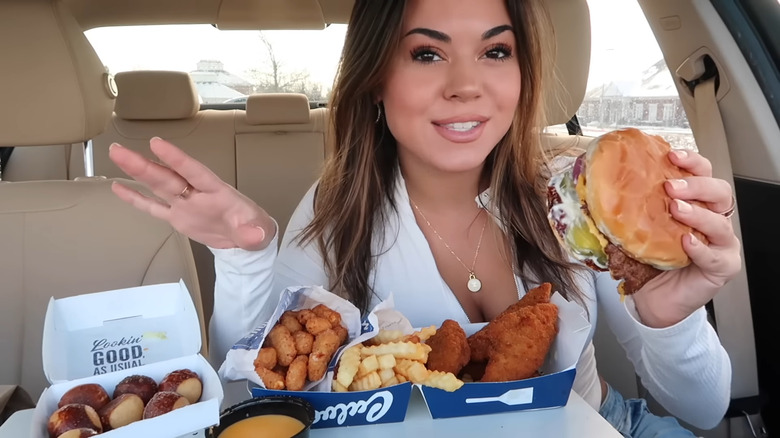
(438, 181)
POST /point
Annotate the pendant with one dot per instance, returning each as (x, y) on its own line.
(474, 284)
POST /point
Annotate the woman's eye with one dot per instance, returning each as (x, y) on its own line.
(500, 52)
(425, 55)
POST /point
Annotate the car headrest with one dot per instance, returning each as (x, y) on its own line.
(51, 77)
(156, 95)
(571, 24)
(277, 109)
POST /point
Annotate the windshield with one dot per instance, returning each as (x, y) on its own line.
(629, 83)
(226, 66)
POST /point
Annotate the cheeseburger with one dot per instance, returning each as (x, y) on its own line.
(610, 209)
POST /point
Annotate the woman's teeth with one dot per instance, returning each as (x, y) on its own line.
(462, 126)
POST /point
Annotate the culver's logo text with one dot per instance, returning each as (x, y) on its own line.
(375, 408)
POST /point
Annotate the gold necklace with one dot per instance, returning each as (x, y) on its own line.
(474, 284)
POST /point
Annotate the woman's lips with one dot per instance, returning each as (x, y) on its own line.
(461, 131)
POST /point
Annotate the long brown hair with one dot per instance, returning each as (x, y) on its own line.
(357, 183)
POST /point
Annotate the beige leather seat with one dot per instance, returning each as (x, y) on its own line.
(280, 150)
(63, 238)
(165, 104)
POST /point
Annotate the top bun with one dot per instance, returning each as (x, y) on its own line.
(624, 179)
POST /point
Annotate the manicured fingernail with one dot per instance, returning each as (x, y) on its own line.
(683, 206)
(678, 184)
(680, 153)
(114, 145)
(694, 240)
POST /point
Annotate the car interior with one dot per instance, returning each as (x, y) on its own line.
(64, 233)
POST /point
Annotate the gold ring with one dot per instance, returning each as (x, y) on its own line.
(185, 192)
(730, 212)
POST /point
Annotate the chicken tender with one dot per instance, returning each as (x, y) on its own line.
(479, 342)
(479, 345)
(520, 342)
(450, 350)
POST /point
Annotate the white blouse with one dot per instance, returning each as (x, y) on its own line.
(684, 366)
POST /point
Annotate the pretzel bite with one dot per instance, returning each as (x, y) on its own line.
(164, 402)
(75, 416)
(82, 432)
(121, 411)
(281, 339)
(142, 386)
(90, 394)
(185, 382)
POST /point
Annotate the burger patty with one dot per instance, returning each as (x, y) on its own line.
(633, 273)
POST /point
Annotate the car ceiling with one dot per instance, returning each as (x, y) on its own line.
(224, 14)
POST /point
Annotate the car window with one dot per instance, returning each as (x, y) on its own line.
(226, 66)
(629, 83)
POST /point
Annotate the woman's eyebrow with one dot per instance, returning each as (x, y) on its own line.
(443, 37)
(496, 31)
(435, 34)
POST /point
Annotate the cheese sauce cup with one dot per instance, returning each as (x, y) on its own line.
(265, 417)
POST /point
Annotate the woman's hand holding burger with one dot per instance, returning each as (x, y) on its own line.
(654, 218)
(672, 296)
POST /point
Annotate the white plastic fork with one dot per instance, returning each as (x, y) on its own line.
(520, 396)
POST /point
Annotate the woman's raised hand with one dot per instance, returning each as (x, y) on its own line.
(192, 198)
(675, 294)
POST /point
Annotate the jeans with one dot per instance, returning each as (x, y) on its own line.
(633, 420)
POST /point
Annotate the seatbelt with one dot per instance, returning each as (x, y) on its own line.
(573, 126)
(67, 151)
(5, 155)
(734, 320)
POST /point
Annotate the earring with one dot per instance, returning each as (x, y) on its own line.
(378, 113)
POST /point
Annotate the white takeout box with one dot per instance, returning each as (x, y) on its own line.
(388, 405)
(104, 337)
